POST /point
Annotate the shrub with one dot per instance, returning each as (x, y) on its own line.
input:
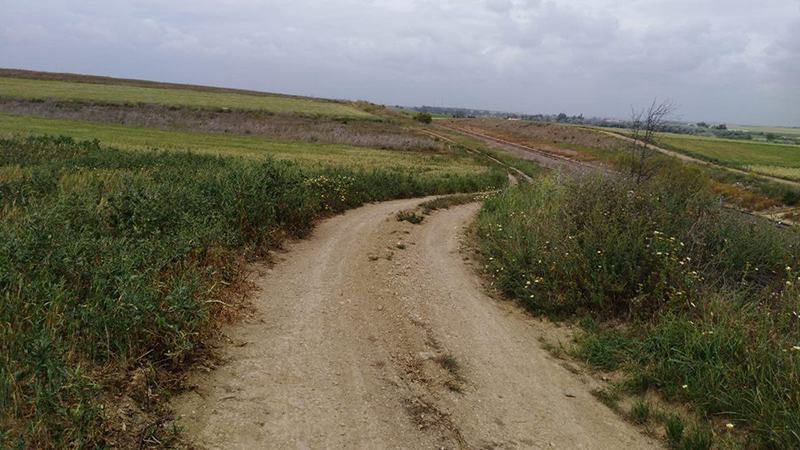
(423, 117)
(708, 296)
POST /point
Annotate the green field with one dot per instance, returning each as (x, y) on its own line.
(307, 154)
(776, 160)
(60, 90)
(412, 113)
(781, 131)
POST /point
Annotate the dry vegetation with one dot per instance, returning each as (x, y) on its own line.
(581, 144)
(568, 141)
(286, 127)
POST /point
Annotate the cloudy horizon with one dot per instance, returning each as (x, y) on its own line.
(720, 61)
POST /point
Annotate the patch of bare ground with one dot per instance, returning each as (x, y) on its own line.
(361, 133)
(376, 333)
(548, 137)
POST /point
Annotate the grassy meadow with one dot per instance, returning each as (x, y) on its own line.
(29, 89)
(307, 154)
(782, 161)
(678, 294)
(779, 131)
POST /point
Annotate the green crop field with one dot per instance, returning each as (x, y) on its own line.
(60, 90)
(307, 154)
(412, 113)
(781, 131)
(777, 160)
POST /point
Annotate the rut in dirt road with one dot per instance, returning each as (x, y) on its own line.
(377, 334)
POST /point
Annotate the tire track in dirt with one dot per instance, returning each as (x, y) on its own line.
(543, 158)
(377, 334)
(557, 162)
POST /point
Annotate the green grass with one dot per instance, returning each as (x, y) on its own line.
(412, 113)
(307, 154)
(463, 141)
(687, 298)
(764, 158)
(752, 183)
(780, 131)
(111, 262)
(640, 412)
(410, 217)
(61, 90)
(436, 204)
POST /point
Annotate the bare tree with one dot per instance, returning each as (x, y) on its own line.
(644, 125)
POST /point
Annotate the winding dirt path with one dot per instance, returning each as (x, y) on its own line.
(377, 334)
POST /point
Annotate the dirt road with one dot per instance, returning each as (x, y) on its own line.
(540, 157)
(378, 334)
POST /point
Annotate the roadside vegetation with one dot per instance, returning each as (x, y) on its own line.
(113, 264)
(683, 296)
(581, 144)
(448, 201)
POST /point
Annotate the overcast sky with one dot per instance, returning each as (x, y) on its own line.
(735, 61)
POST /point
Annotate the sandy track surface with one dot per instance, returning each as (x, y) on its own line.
(543, 157)
(359, 344)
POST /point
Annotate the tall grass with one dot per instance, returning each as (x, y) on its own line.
(360, 132)
(114, 258)
(669, 286)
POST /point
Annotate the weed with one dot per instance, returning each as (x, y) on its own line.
(674, 427)
(698, 438)
(640, 412)
(689, 299)
(410, 216)
(454, 387)
(607, 397)
(605, 350)
(446, 202)
(450, 364)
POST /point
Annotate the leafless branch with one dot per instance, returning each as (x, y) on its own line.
(645, 123)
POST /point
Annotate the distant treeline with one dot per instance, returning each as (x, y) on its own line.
(695, 129)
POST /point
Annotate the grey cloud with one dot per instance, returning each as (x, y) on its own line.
(725, 60)
(499, 6)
